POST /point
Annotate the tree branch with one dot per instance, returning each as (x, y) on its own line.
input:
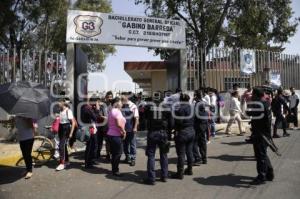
(218, 25)
(196, 29)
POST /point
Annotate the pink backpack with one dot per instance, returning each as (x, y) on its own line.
(55, 125)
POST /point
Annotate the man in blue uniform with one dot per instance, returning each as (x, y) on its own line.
(157, 137)
(261, 120)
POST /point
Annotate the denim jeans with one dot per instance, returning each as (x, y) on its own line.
(130, 145)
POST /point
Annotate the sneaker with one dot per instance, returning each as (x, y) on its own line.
(117, 174)
(177, 176)
(208, 142)
(60, 167)
(270, 176)
(242, 134)
(163, 179)
(188, 172)
(148, 182)
(276, 136)
(197, 163)
(132, 163)
(258, 181)
(286, 135)
(28, 175)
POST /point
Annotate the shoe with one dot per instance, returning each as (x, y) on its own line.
(177, 176)
(197, 163)
(67, 164)
(148, 182)
(107, 157)
(132, 163)
(188, 172)
(208, 142)
(258, 181)
(286, 135)
(249, 140)
(60, 167)
(127, 160)
(242, 134)
(228, 134)
(204, 161)
(270, 176)
(276, 136)
(117, 174)
(28, 175)
(90, 166)
(164, 179)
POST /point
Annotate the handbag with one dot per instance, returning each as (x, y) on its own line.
(55, 125)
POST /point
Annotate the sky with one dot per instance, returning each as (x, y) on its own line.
(115, 78)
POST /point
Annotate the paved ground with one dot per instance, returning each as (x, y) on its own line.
(230, 169)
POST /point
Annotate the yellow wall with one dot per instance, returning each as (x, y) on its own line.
(159, 81)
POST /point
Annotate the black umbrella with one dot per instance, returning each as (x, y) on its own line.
(26, 99)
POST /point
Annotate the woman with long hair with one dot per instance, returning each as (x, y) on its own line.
(65, 132)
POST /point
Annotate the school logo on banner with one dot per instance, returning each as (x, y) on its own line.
(247, 61)
(275, 78)
(88, 26)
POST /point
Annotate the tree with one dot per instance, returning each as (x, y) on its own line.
(41, 25)
(260, 24)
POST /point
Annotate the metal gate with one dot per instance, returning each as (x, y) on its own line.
(38, 66)
(220, 68)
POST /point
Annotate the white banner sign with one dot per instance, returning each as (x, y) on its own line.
(247, 61)
(275, 78)
(106, 28)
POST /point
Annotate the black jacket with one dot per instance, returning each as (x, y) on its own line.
(156, 118)
(261, 121)
(184, 110)
(277, 102)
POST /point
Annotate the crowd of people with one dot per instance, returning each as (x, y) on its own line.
(188, 120)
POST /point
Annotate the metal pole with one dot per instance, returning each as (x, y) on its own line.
(21, 65)
(40, 66)
(14, 65)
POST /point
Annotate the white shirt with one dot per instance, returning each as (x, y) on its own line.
(206, 99)
(133, 108)
(65, 116)
(213, 100)
(235, 105)
(25, 128)
(293, 99)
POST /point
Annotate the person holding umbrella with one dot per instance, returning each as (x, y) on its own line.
(28, 102)
(26, 129)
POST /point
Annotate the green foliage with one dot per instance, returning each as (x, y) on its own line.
(41, 24)
(260, 24)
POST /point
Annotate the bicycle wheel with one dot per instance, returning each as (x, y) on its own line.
(42, 150)
(21, 162)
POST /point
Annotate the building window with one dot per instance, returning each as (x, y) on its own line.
(241, 81)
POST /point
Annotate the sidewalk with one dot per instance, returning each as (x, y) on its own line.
(10, 152)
